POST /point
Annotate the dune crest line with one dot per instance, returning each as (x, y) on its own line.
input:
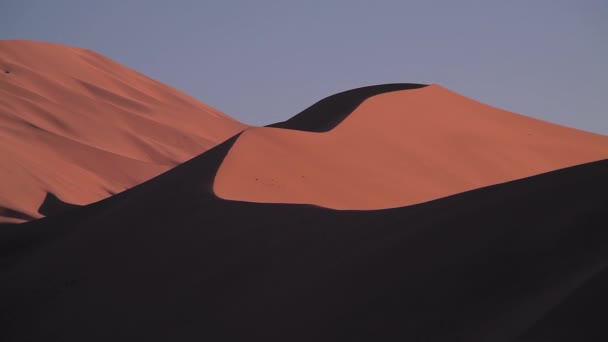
(395, 148)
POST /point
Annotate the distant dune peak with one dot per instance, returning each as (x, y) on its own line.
(398, 148)
(81, 126)
(329, 112)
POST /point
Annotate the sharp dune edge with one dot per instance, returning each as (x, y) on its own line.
(506, 241)
(81, 127)
(400, 148)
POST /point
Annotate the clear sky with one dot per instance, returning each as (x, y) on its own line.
(264, 61)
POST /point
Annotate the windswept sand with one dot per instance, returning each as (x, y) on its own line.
(400, 148)
(81, 126)
(169, 261)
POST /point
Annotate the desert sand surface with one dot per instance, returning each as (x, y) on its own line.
(168, 260)
(81, 127)
(399, 148)
(492, 225)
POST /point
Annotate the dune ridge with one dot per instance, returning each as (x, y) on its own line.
(326, 114)
(499, 233)
(398, 148)
(80, 126)
(460, 268)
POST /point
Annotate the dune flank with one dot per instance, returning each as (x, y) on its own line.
(79, 127)
(399, 148)
(168, 260)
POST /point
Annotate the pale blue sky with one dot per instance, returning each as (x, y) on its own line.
(263, 61)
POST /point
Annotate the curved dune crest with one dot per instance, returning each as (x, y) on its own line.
(329, 112)
(80, 126)
(400, 148)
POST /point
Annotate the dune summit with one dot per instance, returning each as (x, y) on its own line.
(395, 148)
(77, 127)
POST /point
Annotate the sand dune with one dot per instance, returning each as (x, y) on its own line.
(509, 244)
(399, 148)
(81, 127)
(168, 260)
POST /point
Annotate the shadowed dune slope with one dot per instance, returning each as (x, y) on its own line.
(326, 114)
(396, 148)
(81, 126)
(168, 260)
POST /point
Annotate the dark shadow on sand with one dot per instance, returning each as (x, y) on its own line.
(169, 260)
(329, 112)
(52, 205)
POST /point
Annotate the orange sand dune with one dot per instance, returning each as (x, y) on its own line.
(400, 148)
(81, 126)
